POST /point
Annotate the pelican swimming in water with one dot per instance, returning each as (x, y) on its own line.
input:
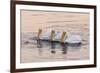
(58, 36)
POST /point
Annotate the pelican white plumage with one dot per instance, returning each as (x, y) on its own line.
(57, 36)
(45, 36)
(69, 38)
(73, 38)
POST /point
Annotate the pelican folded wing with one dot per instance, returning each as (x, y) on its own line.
(45, 36)
(57, 36)
(73, 39)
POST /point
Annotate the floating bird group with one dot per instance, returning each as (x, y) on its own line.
(60, 37)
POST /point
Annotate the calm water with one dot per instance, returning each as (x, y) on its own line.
(34, 51)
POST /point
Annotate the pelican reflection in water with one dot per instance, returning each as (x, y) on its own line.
(56, 37)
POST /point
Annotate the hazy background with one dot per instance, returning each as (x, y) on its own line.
(31, 21)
